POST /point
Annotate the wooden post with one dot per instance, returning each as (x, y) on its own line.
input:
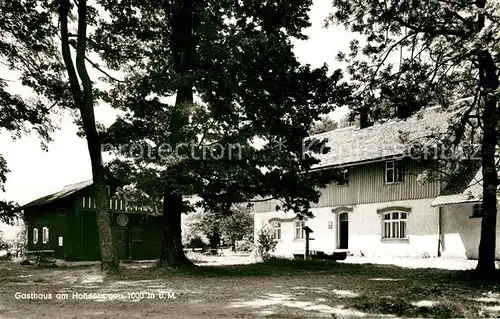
(308, 231)
(307, 246)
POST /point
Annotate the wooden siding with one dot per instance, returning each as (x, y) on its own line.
(86, 201)
(77, 225)
(146, 246)
(55, 218)
(367, 185)
(116, 205)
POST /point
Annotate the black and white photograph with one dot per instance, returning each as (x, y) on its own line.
(249, 159)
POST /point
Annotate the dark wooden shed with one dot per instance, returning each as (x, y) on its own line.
(63, 224)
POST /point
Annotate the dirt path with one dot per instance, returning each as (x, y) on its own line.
(89, 295)
(85, 293)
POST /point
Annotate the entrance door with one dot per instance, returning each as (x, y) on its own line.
(343, 231)
(120, 241)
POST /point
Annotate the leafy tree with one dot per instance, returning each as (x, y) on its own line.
(326, 124)
(3, 242)
(36, 43)
(213, 227)
(345, 121)
(420, 53)
(83, 96)
(237, 59)
(203, 226)
(27, 50)
(19, 242)
(238, 225)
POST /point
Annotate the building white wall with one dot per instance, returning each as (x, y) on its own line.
(324, 238)
(461, 233)
(365, 230)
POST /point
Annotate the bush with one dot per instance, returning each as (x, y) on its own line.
(265, 242)
(196, 242)
(244, 245)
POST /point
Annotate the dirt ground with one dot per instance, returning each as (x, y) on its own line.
(279, 289)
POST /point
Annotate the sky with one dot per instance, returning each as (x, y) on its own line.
(35, 173)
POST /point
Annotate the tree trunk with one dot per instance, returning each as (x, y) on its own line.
(214, 240)
(182, 45)
(85, 103)
(109, 259)
(487, 245)
(172, 253)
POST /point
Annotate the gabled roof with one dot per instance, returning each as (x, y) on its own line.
(63, 192)
(352, 145)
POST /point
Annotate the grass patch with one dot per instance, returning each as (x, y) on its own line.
(412, 284)
(66, 266)
(287, 267)
(402, 307)
(273, 267)
(6, 272)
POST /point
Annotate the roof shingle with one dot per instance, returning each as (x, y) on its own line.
(63, 192)
(351, 144)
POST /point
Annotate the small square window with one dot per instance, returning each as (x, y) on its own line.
(299, 229)
(276, 230)
(330, 225)
(394, 172)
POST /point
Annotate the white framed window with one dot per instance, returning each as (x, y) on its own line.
(45, 235)
(394, 225)
(276, 230)
(477, 211)
(35, 235)
(393, 172)
(330, 225)
(299, 229)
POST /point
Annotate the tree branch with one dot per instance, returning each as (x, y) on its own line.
(97, 67)
(64, 7)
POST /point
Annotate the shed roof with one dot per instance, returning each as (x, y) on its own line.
(472, 193)
(63, 192)
(352, 145)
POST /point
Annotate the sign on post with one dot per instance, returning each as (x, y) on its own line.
(308, 231)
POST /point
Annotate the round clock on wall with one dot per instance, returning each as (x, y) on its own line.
(122, 220)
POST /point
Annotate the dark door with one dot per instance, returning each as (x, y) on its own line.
(120, 241)
(343, 231)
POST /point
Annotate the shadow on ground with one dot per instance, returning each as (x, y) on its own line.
(277, 288)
